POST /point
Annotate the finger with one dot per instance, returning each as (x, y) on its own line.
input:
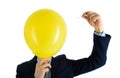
(42, 61)
(46, 69)
(96, 18)
(91, 16)
(87, 15)
(86, 18)
(47, 65)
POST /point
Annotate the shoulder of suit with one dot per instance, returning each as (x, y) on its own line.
(22, 65)
(28, 63)
(62, 56)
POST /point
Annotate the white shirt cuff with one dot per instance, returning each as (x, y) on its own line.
(102, 34)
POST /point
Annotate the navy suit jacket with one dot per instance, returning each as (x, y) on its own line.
(66, 68)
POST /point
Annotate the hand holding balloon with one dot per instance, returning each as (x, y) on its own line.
(41, 68)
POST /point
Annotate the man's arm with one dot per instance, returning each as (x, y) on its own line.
(98, 55)
(95, 60)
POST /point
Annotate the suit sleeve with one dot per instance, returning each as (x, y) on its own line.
(95, 60)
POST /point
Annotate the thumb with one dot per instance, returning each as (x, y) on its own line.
(85, 17)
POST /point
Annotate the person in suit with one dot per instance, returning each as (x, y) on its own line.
(61, 66)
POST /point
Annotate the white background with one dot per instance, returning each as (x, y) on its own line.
(14, 50)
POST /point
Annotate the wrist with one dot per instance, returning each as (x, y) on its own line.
(99, 30)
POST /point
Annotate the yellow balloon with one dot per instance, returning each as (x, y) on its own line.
(45, 32)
